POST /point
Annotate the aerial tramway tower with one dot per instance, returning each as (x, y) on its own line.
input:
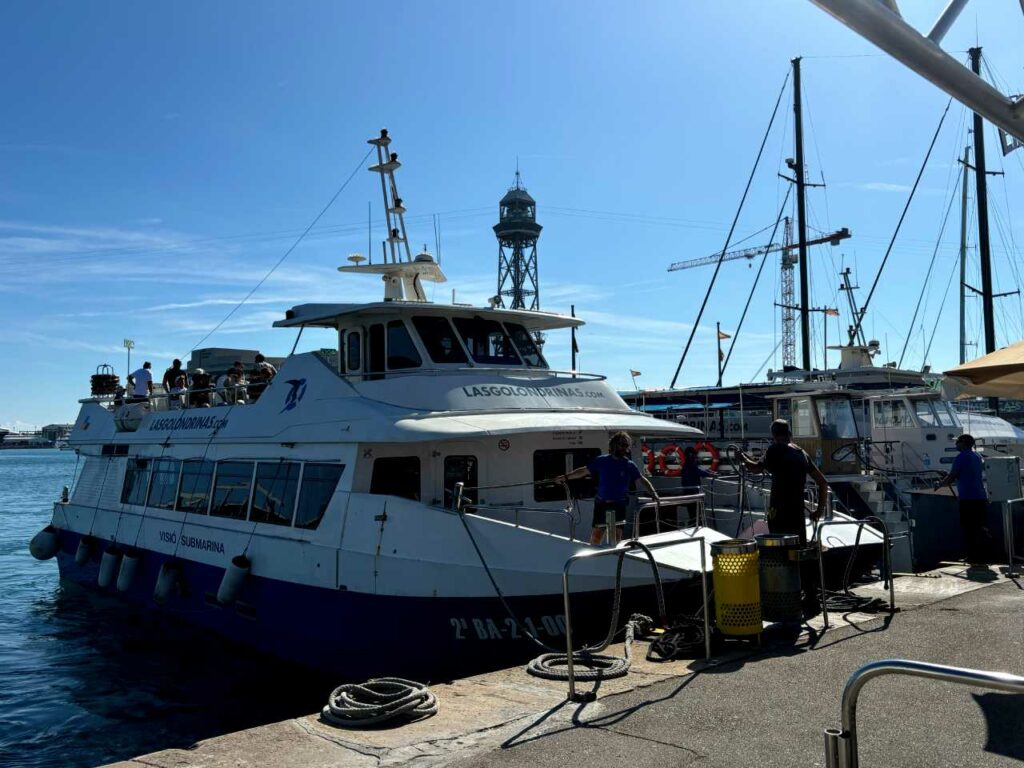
(517, 231)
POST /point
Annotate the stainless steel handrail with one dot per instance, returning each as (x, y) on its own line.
(841, 743)
(667, 501)
(458, 498)
(886, 558)
(1008, 534)
(621, 551)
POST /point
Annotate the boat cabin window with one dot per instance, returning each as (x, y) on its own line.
(318, 484)
(947, 416)
(136, 482)
(273, 495)
(194, 493)
(396, 476)
(163, 491)
(353, 352)
(802, 423)
(375, 351)
(439, 339)
(525, 344)
(460, 469)
(559, 461)
(231, 490)
(892, 414)
(925, 413)
(402, 352)
(836, 418)
(487, 341)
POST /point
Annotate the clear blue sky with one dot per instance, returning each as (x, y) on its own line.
(157, 159)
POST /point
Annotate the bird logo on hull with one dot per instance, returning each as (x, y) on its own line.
(295, 394)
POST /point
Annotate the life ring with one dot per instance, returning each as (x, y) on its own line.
(703, 445)
(663, 464)
(648, 454)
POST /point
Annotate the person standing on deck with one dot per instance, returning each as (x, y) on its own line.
(615, 472)
(690, 476)
(968, 472)
(141, 382)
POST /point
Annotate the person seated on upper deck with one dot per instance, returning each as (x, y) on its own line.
(231, 385)
(690, 476)
(141, 383)
(199, 394)
(262, 374)
(171, 375)
(174, 394)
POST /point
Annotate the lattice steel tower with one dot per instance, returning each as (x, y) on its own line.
(517, 231)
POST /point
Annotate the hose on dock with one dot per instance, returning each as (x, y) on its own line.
(377, 701)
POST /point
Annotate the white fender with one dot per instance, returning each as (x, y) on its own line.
(45, 544)
(84, 552)
(109, 565)
(167, 581)
(129, 567)
(234, 577)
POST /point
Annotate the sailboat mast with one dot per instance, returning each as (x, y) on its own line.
(984, 255)
(801, 218)
(963, 257)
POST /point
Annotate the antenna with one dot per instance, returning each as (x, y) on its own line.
(394, 210)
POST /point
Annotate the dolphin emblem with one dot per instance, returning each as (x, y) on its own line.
(295, 394)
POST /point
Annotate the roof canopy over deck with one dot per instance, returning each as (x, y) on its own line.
(331, 315)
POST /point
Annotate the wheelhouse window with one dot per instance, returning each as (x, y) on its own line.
(925, 413)
(231, 490)
(487, 341)
(559, 461)
(163, 491)
(891, 414)
(194, 492)
(136, 482)
(353, 352)
(803, 423)
(273, 495)
(319, 482)
(526, 345)
(947, 416)
(375, 361)
(460, 469)
(402, 352)
(440, 340)
(836, 417)
(396, 476)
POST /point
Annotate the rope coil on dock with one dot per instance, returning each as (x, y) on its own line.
(377, 701)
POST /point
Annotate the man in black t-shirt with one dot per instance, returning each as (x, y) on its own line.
(789, 465)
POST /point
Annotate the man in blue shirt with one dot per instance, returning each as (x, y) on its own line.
(968, 472)
(615, 472)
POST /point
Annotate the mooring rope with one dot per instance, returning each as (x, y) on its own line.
(377, 701)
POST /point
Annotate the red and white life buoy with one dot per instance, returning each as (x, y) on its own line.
(663, 464)
(704, 446)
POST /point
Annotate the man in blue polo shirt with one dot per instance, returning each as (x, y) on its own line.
(968, 472)
(615, 472)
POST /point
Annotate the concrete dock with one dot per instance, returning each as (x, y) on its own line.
(764, 706)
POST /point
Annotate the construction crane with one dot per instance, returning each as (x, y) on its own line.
(788, 261)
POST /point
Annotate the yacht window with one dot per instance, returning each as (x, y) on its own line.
(525, 344)
(396, 476)
(194, 494)
(925, 413)
(375, 363)
(439, 339)
(460, 469)
(803, 425)
(486, 341)
(402, 352)
(231, 491)
(947, 416)
(273, 496)
(559, 461)
(891, 413)
(136, 482)
(836, 417)
(164, 489)
(354, 353)
(318, 484)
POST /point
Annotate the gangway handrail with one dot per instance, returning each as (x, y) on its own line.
(621, 551)
(841, 743)
(667, 501)
(886, 561)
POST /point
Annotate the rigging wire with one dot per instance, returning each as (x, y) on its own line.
(287, 253)
(757, 277)
(938, 317)
(899, 224)
(728, 239)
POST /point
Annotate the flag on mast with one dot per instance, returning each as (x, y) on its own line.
(723, 335)
(633, 373)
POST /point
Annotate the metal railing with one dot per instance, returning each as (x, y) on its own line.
(646, 502)
(841, 743)
(460, 504)
(621, 551)
(886, 561)
(1008, 535)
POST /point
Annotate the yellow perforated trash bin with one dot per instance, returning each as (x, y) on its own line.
(737, 587)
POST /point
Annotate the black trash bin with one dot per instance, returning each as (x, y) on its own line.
(780, 577)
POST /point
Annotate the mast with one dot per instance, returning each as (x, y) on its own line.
(984, 255)
(963, 258)
(801, 218)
